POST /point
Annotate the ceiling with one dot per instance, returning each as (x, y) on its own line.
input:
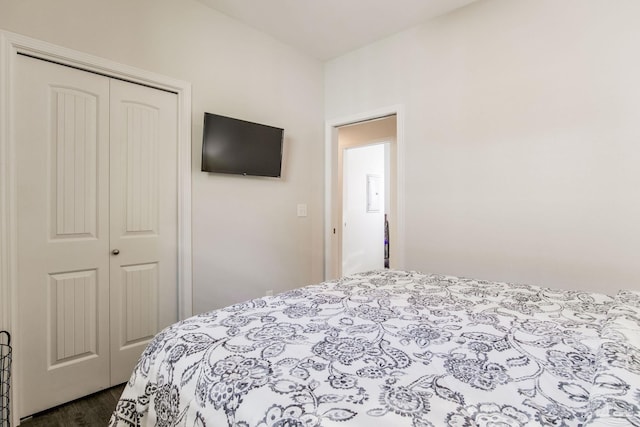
(329, 28)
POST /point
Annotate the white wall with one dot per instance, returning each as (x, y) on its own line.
(246, 236)
(363, 230)
(521, 138)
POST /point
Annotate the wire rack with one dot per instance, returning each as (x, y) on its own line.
(5, 377)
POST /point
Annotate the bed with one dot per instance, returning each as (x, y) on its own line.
(396, 348)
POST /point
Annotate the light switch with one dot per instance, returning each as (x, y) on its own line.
(302, 209)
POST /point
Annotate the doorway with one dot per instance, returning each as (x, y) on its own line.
(360, 236)
(364, 208)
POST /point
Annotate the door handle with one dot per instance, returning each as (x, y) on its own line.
(115, 251)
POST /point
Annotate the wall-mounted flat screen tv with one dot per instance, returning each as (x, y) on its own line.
(239, 147)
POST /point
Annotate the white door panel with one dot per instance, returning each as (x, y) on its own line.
(63, 237)
(143, 220)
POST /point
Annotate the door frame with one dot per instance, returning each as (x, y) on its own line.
(333, 241)
(11, 45)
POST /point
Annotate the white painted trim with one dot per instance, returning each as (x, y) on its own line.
(10, 45)
(331, 142)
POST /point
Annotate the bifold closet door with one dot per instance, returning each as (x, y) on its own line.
(62, 153)
(144, 220)
(97, 228)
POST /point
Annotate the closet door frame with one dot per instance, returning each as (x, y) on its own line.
(11, 45)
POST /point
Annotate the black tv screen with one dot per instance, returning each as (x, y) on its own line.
(239, 147)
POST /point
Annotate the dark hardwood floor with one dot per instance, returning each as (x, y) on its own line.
(91, 411)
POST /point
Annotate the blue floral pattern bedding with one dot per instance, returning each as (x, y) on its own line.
(400, 349)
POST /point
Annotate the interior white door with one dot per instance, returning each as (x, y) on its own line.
(63, 232)
(144, 290)
(97, 228)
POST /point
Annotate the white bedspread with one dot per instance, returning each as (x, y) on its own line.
(396, 348)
